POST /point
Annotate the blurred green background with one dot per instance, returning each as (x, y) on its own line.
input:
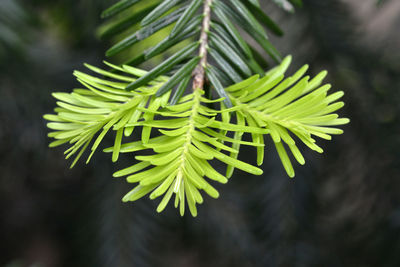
(342, 209)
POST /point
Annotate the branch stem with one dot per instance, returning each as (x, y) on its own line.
(199, 72)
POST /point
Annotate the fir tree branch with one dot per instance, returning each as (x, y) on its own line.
(199, 72)
(193, 134)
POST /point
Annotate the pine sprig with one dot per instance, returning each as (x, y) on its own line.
(185, 132)
(191, 135)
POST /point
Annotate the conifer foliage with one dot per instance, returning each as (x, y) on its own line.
(194, 108)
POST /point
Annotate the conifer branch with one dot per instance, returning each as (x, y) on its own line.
(193, 134)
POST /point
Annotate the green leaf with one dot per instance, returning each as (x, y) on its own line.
(222, 77)
(138, 192)
(164, 186)
(144, 33)
(258, 36)
(285, 159)
(233, 31)
(217, 43)
(257, 139)
(218, 86)
(259, 58)
(263, 18)
(233, 75)
(124, 23)
(118, 7)
(180, 90)
(160, 10)
(226, 36)
(191, 29)
(228, 126)
(184, 72)
(117, 145)
(229, 160)
(162, 158)
(238, 137)
(132, 169)
(165, 199)
(163, 67)
(186, 16)
(243, 84)
(248, 17)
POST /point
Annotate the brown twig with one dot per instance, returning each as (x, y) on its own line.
(199, 72)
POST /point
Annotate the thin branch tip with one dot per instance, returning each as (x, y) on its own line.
(199, 72)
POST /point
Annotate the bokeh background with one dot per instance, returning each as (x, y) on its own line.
(342, 209)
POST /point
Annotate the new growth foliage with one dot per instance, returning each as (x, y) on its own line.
(186, 133)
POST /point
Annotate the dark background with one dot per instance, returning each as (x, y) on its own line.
(341, 209)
